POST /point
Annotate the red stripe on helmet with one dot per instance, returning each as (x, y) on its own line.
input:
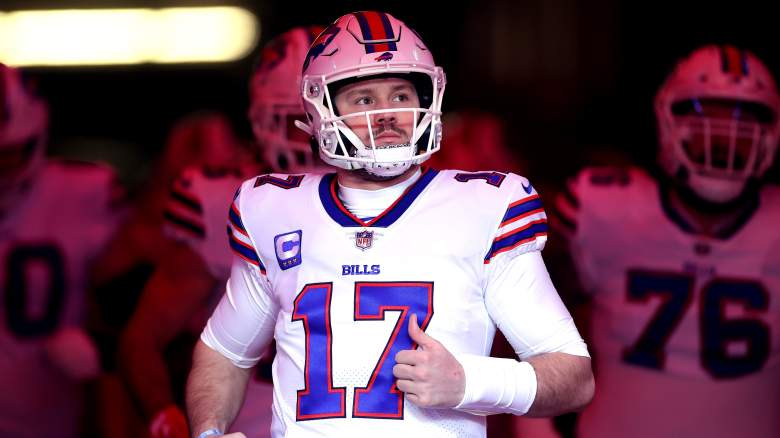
(733, 60)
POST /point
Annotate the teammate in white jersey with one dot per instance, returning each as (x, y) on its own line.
(383, 283)
(55, 219)
(683, 271)
(188, 281)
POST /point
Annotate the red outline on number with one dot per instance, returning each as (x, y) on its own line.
(331, 389)
(398, 326)
(465, 177)
(292, 181)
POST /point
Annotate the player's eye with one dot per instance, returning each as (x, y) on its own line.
(364, 100)
(401, 97)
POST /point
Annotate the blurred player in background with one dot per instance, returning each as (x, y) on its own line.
(474, 140)
(683, 269)
(131, 257)
(196, 259)
(56, 217)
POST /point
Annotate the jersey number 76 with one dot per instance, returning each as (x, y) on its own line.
(716, 331)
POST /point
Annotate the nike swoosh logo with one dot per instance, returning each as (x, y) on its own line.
(527, 188)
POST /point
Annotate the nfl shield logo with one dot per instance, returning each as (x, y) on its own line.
(364, 239)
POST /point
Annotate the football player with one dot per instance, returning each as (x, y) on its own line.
(683, 268)
(181, 293)
(55, 219)
(383, 283)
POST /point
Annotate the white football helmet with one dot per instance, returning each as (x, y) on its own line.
(727, 75)
(23, 128)
(358, 46)
(275, 102)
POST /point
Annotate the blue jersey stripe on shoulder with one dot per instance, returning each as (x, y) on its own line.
(245, 252)
(533, 203)
(235, 219)
(519, 235)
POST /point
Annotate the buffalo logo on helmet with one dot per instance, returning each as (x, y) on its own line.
(320, 44)
(384, 57)
(272, 55)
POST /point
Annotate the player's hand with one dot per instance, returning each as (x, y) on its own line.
(430, 376)
(169, 423)
(234, 435)
(73, 352)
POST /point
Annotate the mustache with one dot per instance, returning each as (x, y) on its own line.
(391, 128)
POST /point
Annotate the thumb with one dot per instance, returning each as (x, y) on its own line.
(418, 335)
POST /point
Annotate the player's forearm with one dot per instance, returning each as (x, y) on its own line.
(546, 385)
(215, 390)
(564, 384)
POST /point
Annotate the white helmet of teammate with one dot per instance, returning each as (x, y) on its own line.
(275, 102)
(716, 157)
(357, 46)
(23, 128)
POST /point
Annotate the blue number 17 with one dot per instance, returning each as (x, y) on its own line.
(379, 398)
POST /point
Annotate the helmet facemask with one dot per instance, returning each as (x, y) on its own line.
(284, 147)
(417, 128)
(718, 124)
(275, 103)
(722, 145)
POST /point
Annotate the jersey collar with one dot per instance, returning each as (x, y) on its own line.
(722, 233)
(336, 210)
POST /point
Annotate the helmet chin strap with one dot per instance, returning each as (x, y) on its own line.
(391, 160)
(389, 172)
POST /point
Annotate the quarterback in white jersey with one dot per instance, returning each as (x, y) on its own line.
(383, 284)
(55, 219)
(684, 271)
(198, 259)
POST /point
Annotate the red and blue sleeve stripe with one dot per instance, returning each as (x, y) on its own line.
(239, 239)
(235, 219)
(376, 26)
(244, 251)
(515, 238)
(522, 209)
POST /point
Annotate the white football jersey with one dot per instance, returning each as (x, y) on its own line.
(338, 292)
(47, 244)
(195, 214)
(686, 328)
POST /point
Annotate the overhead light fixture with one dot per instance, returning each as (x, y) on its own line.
(126, 36)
